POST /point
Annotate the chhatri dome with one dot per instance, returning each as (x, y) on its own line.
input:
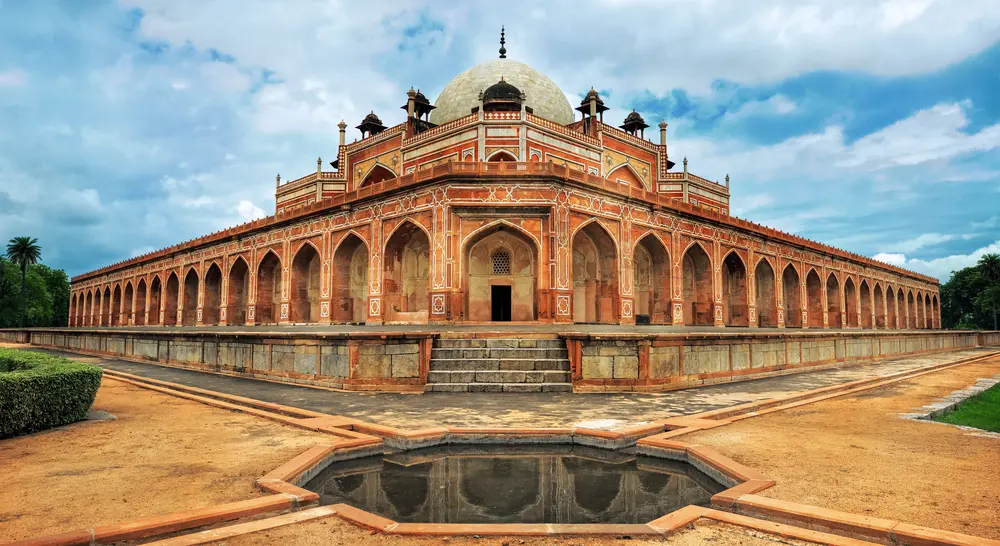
(541, 94)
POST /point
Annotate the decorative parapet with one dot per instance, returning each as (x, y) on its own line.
(561, 129)
(443, 128)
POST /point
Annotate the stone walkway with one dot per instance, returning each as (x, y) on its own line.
(605, 411)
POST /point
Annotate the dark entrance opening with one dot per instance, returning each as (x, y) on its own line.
(500, 301)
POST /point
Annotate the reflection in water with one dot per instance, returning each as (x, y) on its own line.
(530, 484)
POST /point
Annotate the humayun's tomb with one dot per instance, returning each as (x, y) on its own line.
(502, 203)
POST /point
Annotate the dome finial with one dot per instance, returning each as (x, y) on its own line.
(503, 50)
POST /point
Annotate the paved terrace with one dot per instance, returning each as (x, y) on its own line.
(606, 411)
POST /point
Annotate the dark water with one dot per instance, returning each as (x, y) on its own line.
(487, 484)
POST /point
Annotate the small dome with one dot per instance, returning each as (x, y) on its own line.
(372, 118)
(592, 94)
(634, 117)
(541, 94)
(502, 91)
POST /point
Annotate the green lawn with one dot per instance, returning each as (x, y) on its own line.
(980, 411)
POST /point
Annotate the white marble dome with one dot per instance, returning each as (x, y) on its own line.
(542, 95)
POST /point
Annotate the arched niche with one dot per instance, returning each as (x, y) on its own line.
(626, 177)
(850, 303)
(172, 295)
(501, 275)
(127, 302)
(407, 275)
(766, 295)
(156, 297)
(350, 281)
(378, 173)
(267, 304)
(697, 280)
(595, 276)
(116, 306)
(878, 301)
(651, 281)
(911, 311)
(833, 302)
(814, 299)
(866, 304)
(190, 301)
(304, 291)
(213, 296)
(792, 296)
(890, 308)
(735, 311)
(239, 292)
(141, 294)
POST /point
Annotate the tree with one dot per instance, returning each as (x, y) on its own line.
(24, 251)
(989, 268)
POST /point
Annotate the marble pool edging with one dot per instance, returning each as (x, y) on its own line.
(355, 439)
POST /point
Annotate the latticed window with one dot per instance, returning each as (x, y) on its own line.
(501, 263)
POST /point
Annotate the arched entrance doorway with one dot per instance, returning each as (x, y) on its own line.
(911, 311)
(651, 281)
(879, 303)
(595, 275)
(213, 296)
(268, 295)
(697, 278)
(378, 174)
(792, 295)
(127, 303)
(407, 275)
(114, 313)
(155, 299)
(304, 289)
(239, 292)
(734, 291)
(501, 275)
(350, 281)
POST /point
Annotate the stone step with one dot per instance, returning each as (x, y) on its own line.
(498, 343)
(495, 364)
(458, 376)
(499, 387)
(498, 353)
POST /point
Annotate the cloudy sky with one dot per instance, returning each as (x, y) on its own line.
(871, 125)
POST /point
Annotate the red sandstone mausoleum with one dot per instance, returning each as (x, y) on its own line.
(498, 203)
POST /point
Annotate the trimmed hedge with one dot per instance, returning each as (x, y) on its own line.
(40, 391)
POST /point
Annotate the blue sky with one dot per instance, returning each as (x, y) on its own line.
(870, 125)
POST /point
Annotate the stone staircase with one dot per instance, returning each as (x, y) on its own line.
(499, 365)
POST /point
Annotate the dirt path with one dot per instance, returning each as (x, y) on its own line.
(161, 455)
(857, 455)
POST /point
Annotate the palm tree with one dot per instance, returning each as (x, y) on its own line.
(24, 251)
(989, 268)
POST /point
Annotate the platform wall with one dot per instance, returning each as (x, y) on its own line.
(625, 362)
(400, 362)
(385, 362)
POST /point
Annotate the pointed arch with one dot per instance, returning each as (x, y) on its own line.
(304, 289)
(901, 308)
(501, 155)
(936, 313)
(500, 271)
(735, 311)
(911, 310)
(378, 173)
(406, 274)
(127, 303)
(833, 301)
(651, 279)
(865, 296)
(697, 285)
(238, 291)
(141, 294)
(628, 176)
(212, 295)
(498, 223)
(926, 311)
(156, 299)
(72, 310)
(850, 302)
(171, 299)
(595, 274)
(766, 294)
(88, 308)
(114, 312)
(878, 303)
(608, 231)
(792, 296)
(350, 280)
(268, 289)
(814, 297)
(189, 298)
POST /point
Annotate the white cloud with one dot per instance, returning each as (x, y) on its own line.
(921, 241)
(13, 78)
(942, 267)
(890, 258)
(775, 105)
(249, 211)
